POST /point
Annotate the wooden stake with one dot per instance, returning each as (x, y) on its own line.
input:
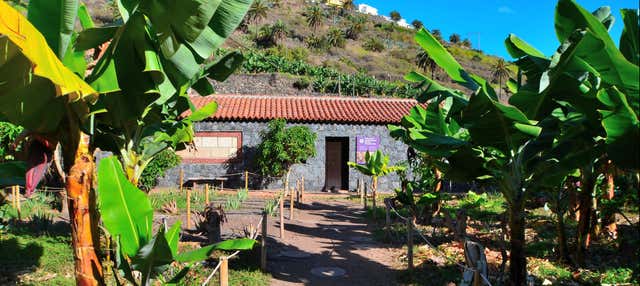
(189, 208)
(387, 218)
(282, 216)
(291, 202)
(181, 179)
(476, 277)
(263, 246)
(365, 196)
(206, 194)
(13, 197)
(18, 202)
(302, 190)
(224, 271)
(246, 180)
(409, 244)
(361, 190)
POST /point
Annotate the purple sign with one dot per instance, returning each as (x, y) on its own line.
(364, 144)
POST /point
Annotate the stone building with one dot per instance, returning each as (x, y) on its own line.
(346, 128)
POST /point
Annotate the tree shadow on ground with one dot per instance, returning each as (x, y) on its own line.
(17, 259)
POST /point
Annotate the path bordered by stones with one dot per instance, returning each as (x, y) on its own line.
(328, 243)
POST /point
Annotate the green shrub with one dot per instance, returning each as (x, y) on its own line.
(8, 134)
(166, 160)
(302, 83)
(374, 45)
(290, 54)
(316, 43)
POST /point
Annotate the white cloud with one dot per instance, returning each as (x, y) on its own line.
(506, 10)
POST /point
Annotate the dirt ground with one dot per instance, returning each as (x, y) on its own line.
(330, 233)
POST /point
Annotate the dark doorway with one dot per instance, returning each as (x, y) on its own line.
(336, 169)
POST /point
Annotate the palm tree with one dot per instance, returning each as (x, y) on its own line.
(315, 17)
(335, 38)
(278, 32)
(454, 38)
(356, 26)
(425, 62)
(500, 71)
(395, 16)
(257, 12)
(437, 34)
(466, 43)
(417, 24)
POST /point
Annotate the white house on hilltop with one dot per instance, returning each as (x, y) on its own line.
(366, 9)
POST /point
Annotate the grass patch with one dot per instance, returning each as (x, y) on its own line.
(36, 260)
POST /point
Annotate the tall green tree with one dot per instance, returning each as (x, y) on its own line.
(417, 24)
(454, 38)
(395, 16)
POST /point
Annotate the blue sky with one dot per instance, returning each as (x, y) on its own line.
(491, 21)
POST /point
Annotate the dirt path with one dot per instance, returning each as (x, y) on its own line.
(328, 234)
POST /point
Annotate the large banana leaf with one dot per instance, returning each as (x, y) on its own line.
(55, 19)
(444, 60)
(629, 42)
(125, 210)
(35, 86)
(623, 129)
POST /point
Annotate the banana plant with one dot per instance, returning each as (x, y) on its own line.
(51, 102)
(128, 216)
(148, 64)
(595, 85)
(376, 165)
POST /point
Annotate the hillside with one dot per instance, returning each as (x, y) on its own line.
(372, 61)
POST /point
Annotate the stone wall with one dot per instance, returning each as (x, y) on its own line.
(313, 170)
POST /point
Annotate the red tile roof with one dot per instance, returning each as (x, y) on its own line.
(329, 109)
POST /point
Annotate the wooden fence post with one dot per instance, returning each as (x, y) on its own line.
(302, 190)
(365, 196)
(361, 190)
(291, 202)
(181, 179)
(246, 180)
(263, 246)
(224, 271)
(282, 215)
(13, 197)
(409, 244)
(387, 218)
(189, 207)
(476, 276)
(18, 202)
(206, 194)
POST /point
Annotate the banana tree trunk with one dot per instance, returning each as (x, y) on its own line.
(586, 212)
(83, 216)
(374, 191)
(609, 219)
(562, 238)
(517, 260)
